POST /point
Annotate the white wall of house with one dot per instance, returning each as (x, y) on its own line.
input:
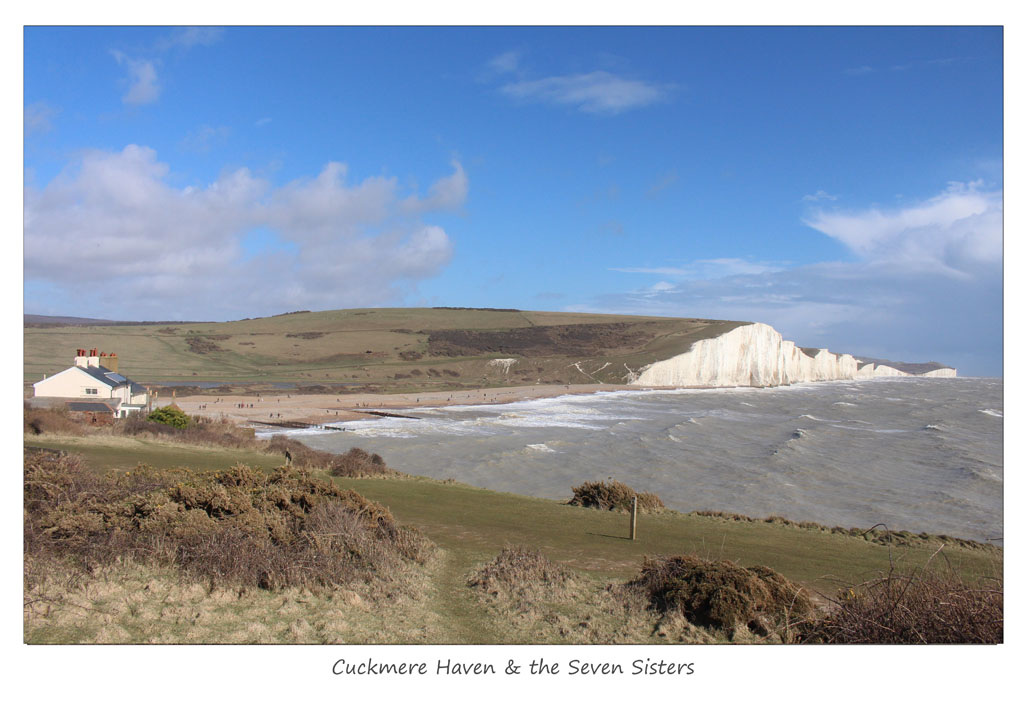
(71, 383)
(75, 383)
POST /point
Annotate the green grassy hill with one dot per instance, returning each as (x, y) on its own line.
(382, 350)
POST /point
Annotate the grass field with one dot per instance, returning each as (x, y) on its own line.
(470, 526)
(389, 350)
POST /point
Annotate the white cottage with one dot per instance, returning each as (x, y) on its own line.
(94, 377)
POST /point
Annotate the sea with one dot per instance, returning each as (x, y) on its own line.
(924, 455)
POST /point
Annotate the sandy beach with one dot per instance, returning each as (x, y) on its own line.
(267, 408)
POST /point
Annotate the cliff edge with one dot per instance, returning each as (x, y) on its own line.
(757, 355)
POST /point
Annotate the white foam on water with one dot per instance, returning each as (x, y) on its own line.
(708, 444)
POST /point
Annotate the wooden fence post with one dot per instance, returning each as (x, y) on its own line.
(632, 521)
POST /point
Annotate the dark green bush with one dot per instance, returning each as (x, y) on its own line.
(174, 417)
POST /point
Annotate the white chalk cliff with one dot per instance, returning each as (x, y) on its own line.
(757, 355)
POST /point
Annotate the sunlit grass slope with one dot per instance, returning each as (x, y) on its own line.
(389, 350)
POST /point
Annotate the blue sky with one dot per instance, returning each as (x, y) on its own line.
(841, 184)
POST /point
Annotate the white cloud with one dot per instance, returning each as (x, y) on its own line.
(204, 138)
(187, 37)
(859, 71)
(144, 85)
(820, 195)
(595, 92)
(707, 268)
(954, 232)
(504, 63)
(927, 285)
(445, 194)
(38, 118)
(112, 230)
(663, 181)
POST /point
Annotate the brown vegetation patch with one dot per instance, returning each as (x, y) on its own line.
(877, 533)
(518, 570)
(355, 463)
(614, 495)
(916, 608)
(240, 526)
(722, 595)
(202, 345)
(522, 579)
(200, 431)
(51, 421)
(305, 335)
(552, 340)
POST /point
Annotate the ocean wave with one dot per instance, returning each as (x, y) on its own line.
(742, 457)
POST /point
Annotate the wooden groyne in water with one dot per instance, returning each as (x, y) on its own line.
(380, 413)
(296, 425)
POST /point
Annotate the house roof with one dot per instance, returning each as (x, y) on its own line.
(90, 406)
(104, 375)
(111, 378)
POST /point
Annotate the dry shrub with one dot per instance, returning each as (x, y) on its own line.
(920, 607)
(520, 572)
(200, 431)
(355, 463)
(898, 538)
(50, 421)
(358, 463)
(241, 526)
(722, 595)
(614, 496)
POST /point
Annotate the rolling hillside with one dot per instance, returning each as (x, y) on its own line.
(378, 350)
